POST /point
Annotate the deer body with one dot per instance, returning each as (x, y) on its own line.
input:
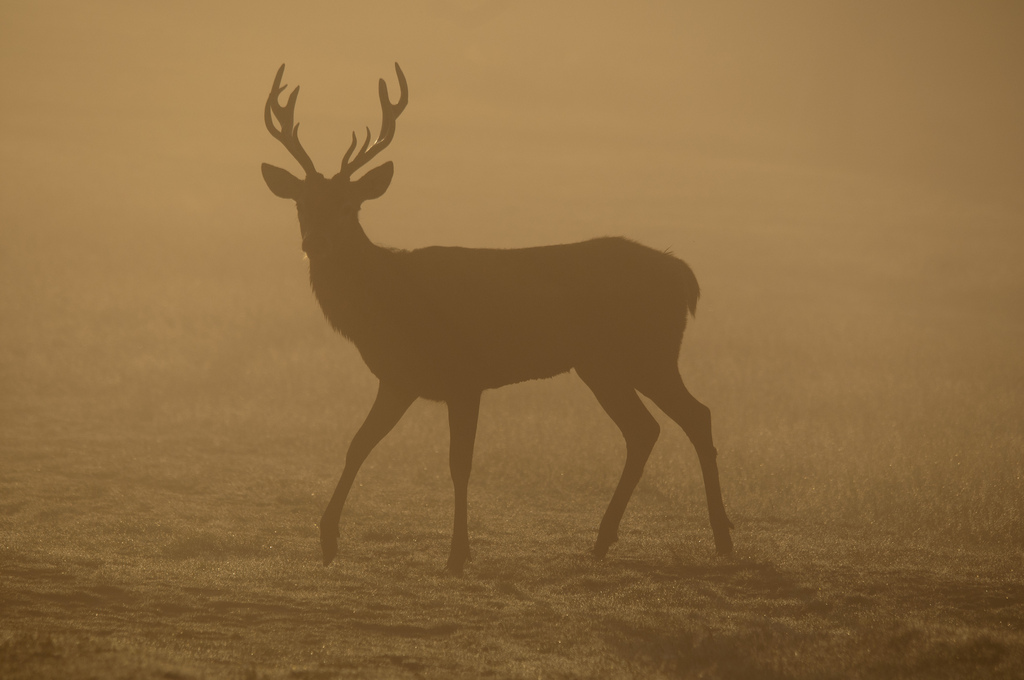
(444, 320)
(446, 323)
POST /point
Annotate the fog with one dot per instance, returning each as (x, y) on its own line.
(523, 115)
(844, 179)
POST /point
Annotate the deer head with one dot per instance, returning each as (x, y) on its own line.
(329, 207)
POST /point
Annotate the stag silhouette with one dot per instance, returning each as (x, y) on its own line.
(447, 323)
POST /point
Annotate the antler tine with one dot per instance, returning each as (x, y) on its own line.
(389, 113)
(288, 135)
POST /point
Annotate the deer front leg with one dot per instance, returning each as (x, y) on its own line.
(463, 414)
(388, 408)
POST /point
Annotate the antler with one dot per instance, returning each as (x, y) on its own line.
(389, 113)
(288, 135)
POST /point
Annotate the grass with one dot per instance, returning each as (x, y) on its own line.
(170, 430)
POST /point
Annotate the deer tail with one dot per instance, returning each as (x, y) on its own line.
(691, 289)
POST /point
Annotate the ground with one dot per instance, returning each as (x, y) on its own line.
(171, 429)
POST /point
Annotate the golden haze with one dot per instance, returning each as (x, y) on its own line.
(843, 178)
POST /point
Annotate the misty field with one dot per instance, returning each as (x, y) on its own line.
(175, 413)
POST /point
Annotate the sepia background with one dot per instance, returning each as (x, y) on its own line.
(844, 178)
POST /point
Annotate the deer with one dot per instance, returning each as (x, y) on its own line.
(446, 323)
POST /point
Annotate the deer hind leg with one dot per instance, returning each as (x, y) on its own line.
(388, 408)
(672, 397)
(640, 430)
(463, 414)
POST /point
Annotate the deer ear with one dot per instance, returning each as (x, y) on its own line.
(374, 183)
(282, 182)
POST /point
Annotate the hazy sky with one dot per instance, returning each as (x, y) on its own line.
(126, 110)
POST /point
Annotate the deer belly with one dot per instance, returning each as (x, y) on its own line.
(435, 364)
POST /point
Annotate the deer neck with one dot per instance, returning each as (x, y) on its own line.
(343, 275)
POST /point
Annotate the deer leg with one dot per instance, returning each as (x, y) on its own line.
(640, 430)
(388, 408)
(462, 419)
(672, 397)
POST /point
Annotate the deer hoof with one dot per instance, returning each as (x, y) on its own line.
(329, 545)
(455, 566)
(723, 542)
(604, 541)
(457, 560)
(601, 547)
